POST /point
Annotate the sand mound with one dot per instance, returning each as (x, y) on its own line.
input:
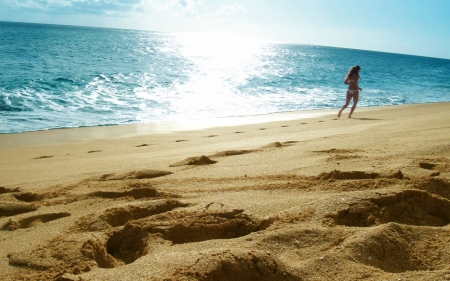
(9, 208)
(399, 248)
(248, 265)
(202, 160)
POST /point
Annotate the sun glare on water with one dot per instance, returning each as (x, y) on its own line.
(218, 66)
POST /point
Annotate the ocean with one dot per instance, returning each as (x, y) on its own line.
(54, 76)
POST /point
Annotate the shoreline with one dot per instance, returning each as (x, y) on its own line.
(79, 134)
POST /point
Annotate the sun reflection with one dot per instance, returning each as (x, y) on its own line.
(219, 65)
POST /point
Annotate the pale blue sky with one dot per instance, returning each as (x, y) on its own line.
(417, 27)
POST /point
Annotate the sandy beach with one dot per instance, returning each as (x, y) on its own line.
(282, 197)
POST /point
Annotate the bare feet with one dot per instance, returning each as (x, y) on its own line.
(339, 114)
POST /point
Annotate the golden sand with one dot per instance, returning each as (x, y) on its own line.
(317, 198)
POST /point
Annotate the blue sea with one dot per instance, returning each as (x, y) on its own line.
(54, 76)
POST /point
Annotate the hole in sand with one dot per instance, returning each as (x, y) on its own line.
(428, 166)
(34, 221)
(95, 250)
(437, 186)
(410, 207)
(213, 222)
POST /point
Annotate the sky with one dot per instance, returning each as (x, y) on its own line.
(415, 27)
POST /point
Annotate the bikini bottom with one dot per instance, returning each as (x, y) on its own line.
(351, 92)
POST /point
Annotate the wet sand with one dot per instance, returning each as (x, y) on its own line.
(283, 197)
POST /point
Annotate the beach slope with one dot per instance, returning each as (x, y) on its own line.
(317, 198)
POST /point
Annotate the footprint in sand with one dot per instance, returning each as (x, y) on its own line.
(34, 221)
(142, 145)
(137, 193)
(440, 165)
(412, 207)
(141, 174)
(279, 144)
(335, 150)
(118, 216)
(8, 190)
(357, 175)
(231, 153)
(340, 154)
(121, 215)
(21, 196)
(180, 140)
(43, 157)
(212, 221)
(94, 151)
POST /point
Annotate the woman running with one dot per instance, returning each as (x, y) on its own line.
(353, 89)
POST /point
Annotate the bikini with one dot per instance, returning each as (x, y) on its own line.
(351, 92)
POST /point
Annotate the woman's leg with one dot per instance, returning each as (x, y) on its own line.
(347, 102)
(355, 101)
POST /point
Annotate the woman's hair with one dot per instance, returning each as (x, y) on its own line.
(353, 70)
